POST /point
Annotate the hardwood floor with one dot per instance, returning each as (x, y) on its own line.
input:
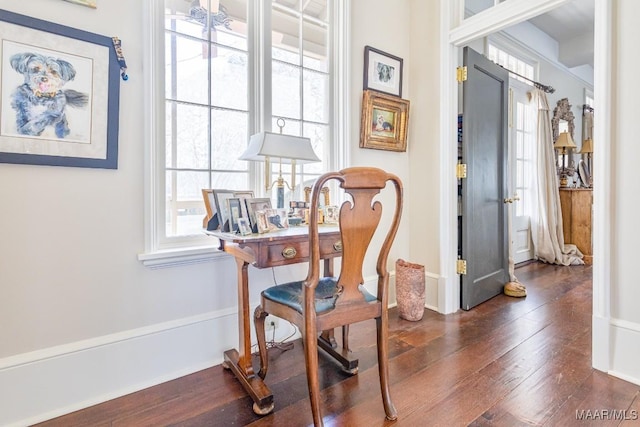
(507, 362)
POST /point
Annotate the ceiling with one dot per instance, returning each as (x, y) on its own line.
(571, 25)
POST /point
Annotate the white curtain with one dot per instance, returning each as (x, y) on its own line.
(546, 219)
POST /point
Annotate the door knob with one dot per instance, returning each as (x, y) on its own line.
(515, 198)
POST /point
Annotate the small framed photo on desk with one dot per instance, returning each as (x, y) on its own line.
(243, 226)
(262, 222)
(235, 213)
(243, 196)
(254, 205)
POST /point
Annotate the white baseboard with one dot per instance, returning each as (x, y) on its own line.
(45, 384)
(625, 348)
(432, 284)
(600, 337)
(48, 383)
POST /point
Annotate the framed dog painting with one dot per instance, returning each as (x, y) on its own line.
(382, 72)
(384, 123)
(59, 95)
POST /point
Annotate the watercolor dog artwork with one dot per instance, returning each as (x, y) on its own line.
(41, 101)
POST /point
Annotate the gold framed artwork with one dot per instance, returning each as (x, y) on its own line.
(384, 122)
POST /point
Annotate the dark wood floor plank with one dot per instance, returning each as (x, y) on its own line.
(431, 387)
(633, 413)
(508, 362)
(600, 400)
(540, 395)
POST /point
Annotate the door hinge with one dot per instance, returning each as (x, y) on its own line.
(461, 170)
(461, 74)
(461, 266)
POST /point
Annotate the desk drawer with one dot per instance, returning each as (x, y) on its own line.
(293, 252)
(283, 253)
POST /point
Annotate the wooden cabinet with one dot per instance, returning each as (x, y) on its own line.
(576, 205)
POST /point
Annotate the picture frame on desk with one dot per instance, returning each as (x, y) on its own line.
(331, 214)
(210, 221)
(243, 196)
(222, 207)
(277, 219)
(235, 213)
(244, 228)
(262, 221)
(254, 205)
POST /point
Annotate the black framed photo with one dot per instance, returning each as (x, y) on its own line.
(382, 72)
(59, 95)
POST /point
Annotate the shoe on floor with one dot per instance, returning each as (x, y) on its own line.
(515, 289)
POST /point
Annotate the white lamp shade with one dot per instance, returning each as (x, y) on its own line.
(277, 145)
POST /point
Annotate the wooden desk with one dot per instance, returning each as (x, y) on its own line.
(285, 247)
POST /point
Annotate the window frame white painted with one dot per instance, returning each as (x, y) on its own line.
(156, 253)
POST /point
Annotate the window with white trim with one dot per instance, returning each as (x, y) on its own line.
(231, 69)
(521, 123)
(512, 63)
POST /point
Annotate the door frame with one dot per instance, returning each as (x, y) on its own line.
(455, 33)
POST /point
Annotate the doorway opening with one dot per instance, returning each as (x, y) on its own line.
(456, 34)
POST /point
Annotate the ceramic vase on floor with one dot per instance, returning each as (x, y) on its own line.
(410, 291)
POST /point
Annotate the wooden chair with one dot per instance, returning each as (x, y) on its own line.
(319, 304)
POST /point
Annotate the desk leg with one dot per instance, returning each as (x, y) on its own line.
(239, 361)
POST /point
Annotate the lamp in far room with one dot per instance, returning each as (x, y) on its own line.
(564, 144)
(587, 148)
(265, 146)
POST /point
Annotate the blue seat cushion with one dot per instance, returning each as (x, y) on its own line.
(290, 294)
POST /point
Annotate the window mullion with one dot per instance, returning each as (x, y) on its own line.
(173, 208)
(209, 98)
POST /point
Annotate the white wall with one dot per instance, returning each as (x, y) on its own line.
(625, 292)
(81, 319)
(424, 151)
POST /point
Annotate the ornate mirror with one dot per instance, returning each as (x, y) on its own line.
(562, 119)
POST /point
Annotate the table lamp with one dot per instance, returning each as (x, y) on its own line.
(587, 148)
(563, 144)
(291, 149)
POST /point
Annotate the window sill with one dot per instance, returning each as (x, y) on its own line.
(180, 256)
